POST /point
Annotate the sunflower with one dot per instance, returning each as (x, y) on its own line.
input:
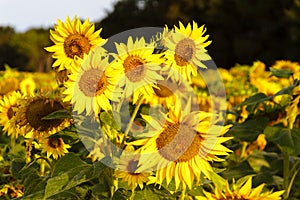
(293, 110)
(8, 106)
(287, 65)
(186, 50)
(126, 170)
(8, 85)
(138, 66)
(31, 113)
(93, 86)
(168, 93)
(28, 86)
(182, 145)
(72, 41)
(242, 192)
(54, 146)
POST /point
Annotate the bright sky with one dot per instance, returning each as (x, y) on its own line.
(25, 14)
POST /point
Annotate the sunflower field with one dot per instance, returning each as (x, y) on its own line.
(148, 117)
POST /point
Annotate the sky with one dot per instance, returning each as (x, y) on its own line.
(25, 14)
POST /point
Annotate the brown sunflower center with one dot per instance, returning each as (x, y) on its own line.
(132, 166)
(163, 91)
(184, 52)
(10, 112)
(134, 68)
(92, 82)
(39, 109)
(178, 142)
(54, 142)
(76, 45)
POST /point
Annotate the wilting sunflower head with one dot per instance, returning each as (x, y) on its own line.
(139, 67)
(93, 86)
(54, 146)
(182, 146)
(8, 106)
(241, 191)
(32, 112)
(186, 50)
(72, 41)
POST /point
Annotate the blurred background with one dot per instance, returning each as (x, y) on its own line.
(242, 31)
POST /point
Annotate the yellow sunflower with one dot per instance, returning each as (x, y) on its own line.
(293, 110)
(8, 106)
(182, 145)
(241, 192)
(92, 87)
(168, 93)
(28, 86)
(31, 113)
(72, 41)
(126, 170)
(186, 50)
(138, 66)
(54, 146)
(8, 85)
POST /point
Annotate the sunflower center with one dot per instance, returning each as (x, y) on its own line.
(134, 68)
(76, 45)
(10, 113)
(92, 82)
(184, 52)
(54, 142)
(132, 166)
(163, 91)
(178, 142)
(40, 108)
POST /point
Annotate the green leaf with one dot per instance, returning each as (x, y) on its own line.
(287, 139)
(257, 98)
(16, 165)
(281, 73)
(67, 162)
(60, 114)
(112, 119)
(249, 130)
(287, 90)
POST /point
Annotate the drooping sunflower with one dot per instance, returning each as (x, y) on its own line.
(126, 170)
(182, 146)
(8, 106)
(32, 111)
(242, 192)
(72, 41)
(139, 67)
(186, 50)
(93, 85)
(54, 146)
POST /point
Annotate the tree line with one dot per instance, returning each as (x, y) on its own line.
(242, 31)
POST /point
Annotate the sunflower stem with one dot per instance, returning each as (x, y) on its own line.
(12, 144)
(286, 174)
(137, 107)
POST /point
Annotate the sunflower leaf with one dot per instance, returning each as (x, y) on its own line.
(281, 73)
(60, 114)
(287, 139)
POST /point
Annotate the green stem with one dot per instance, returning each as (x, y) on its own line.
(137, 106)
(12, 144)
(286, 174)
